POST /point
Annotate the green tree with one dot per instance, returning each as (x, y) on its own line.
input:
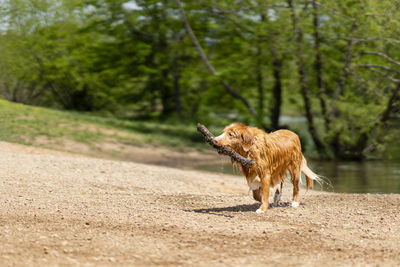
(335, 63)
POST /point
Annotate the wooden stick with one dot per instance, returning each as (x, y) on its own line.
(226, 150)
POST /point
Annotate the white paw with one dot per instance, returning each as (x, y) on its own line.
(295, 204)
(259, 211)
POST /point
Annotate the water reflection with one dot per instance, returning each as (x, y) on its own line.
(346, 177)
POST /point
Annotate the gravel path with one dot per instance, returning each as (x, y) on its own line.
(64, 209)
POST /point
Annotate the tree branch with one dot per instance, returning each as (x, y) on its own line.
(384, 74)
(226, 150)
(369, 66)
(366, 40)
(382, 55)
(210, 68)
(219, 11)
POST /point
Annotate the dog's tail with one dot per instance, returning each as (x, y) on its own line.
(310, 175)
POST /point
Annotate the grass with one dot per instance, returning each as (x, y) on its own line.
(50, 128)
(56, 129)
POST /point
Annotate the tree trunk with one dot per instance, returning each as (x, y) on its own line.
(260, 81)
(14, 97)
(383, 118)
(277, 90)
(260, 78)
(390, 105)
(344, 73)
(177, 92)
(358, 150)
(166, 90)
(275, 110)
(318, 67)
(303, 79)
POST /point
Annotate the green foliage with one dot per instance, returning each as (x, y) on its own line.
(133, 59)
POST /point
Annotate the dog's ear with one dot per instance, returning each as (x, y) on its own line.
(246, 139)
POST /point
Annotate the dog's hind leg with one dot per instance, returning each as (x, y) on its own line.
(278, 194)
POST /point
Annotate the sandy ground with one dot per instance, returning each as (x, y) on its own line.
(63, 209)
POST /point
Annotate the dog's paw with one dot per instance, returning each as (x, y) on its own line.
(260, 211)
(295, 204)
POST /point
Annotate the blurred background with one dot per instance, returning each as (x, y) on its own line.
(124, 79)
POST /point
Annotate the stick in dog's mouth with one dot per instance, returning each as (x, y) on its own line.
(224, 150)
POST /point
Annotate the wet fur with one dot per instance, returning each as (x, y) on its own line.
(274, 154)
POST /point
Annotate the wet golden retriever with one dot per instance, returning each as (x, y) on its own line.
(274, 154)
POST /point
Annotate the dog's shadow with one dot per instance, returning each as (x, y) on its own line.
(238, 208)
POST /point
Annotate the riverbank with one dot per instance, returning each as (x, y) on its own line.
(58, 208)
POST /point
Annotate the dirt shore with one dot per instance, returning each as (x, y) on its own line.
(63, 209)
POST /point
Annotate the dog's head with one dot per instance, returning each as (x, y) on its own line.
(237, 136)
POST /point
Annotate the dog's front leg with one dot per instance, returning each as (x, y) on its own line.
(265, 183)
(257, 194)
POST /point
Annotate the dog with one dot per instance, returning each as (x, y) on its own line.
(274, 154)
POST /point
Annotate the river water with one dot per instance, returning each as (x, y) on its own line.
(345, 177)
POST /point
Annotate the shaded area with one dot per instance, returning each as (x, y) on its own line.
(238, 208)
